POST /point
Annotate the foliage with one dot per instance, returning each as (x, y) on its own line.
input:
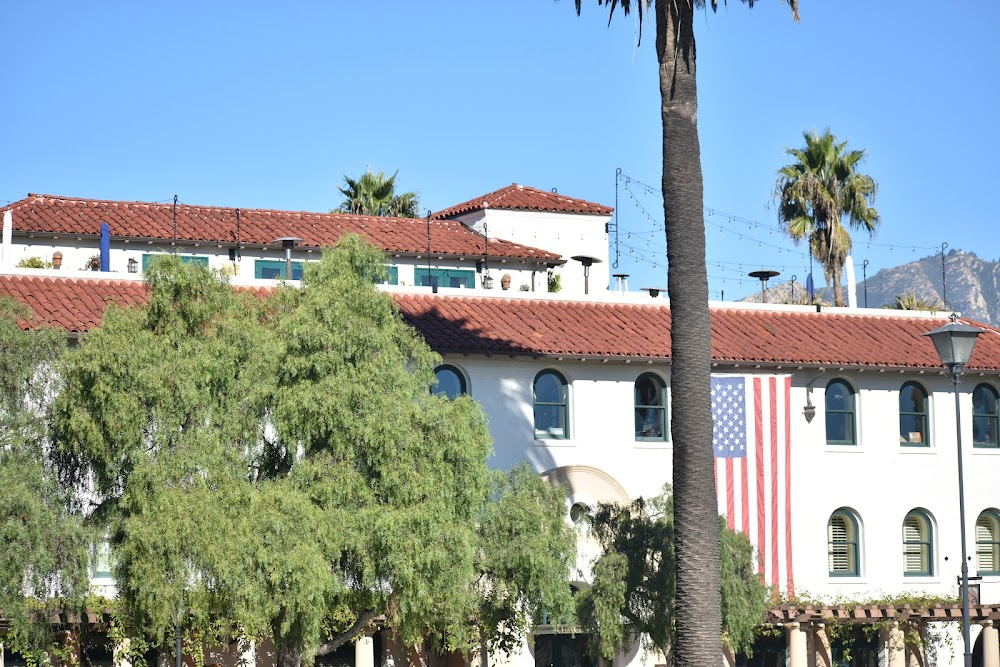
(818, 192)
(910, 301)
(278, 466)
(524, 551)
(43, 564)
(34, 263)
(634, 589)
(375, 194)
(554, 281)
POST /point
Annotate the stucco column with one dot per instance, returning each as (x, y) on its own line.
(1, 654)
(364, 651)
(120, 653)
(990, 643)
(819, 650)
(798, 653)
(895, 646)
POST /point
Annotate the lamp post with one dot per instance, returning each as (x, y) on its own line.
(287, 243)
(954, 343)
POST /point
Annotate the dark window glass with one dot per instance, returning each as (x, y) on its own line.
(275, 269)
(840, 413)
(913, 415)
(985, 417)
(450, 382)
(445, 277)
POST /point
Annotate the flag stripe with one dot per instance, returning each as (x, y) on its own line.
(759, 449)
(775, 568)
(730, 496)
(790, 582)
(745, 505)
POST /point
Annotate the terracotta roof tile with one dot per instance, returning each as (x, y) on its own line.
(522, 198)
(49, 214)
(490, 325)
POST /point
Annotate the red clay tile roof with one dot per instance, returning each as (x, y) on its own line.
(54, 215)
(488, 325)
(745, 337)
(522, 198)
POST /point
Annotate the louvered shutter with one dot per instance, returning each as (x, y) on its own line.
(838, 545)
(986, 545)
(912, 547)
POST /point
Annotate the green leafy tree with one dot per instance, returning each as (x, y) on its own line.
(279, 467)
(818, 193)
(698, 621)
(525, 549)
(43, 563)
(634, 589)
(375, 194)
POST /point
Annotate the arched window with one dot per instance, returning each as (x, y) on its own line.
(988, 543)
(913, 415)
(650, 408)
(450, 381)
(918, 552)
(985, 418)
(840, 413)
(551, 400)
(842, 544)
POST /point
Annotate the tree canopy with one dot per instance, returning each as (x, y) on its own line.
(375, 194)
(817, 193)
(278, 468)
(634, 583)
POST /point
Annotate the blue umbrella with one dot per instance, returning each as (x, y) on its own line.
(810, 289)
(105, 247)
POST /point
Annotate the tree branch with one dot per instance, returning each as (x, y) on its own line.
(364, 618)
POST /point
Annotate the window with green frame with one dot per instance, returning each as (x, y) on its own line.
(842, 544)
(840, 413)
(988, 543)
(913, 415)
(100, 560)
(275, 269)
(445, 277)
(985, 417)
(550, 397)
(650, 408)
(147, 257)
(918, 551)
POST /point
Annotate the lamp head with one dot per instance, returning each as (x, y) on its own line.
(954, 343)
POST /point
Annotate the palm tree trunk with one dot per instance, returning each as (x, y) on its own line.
(838, 290)
(698, 605)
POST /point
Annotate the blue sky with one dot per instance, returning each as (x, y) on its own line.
(269, 105)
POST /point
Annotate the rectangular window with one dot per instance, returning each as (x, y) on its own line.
(275, 269)
(100, 562)
(392, 278)
(147, 257)
(445, 278)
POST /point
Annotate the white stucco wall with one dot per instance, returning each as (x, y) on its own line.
(567, 234)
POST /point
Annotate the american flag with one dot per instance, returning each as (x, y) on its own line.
(752, 445)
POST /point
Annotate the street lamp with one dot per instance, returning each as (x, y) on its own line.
(954, 343)
(287, 243)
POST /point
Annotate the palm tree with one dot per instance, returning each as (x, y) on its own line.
(910, 301)
(817, 192)
(375, 194)
(698, 617)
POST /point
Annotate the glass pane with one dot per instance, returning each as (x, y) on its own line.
(984, 430)
(549, 420)
(839, 427)
(911, 399)
(449, 383)
(983, 401)
(649, 422)
(648, 392)
(838, 397)
(548, 388)
(911, 429)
